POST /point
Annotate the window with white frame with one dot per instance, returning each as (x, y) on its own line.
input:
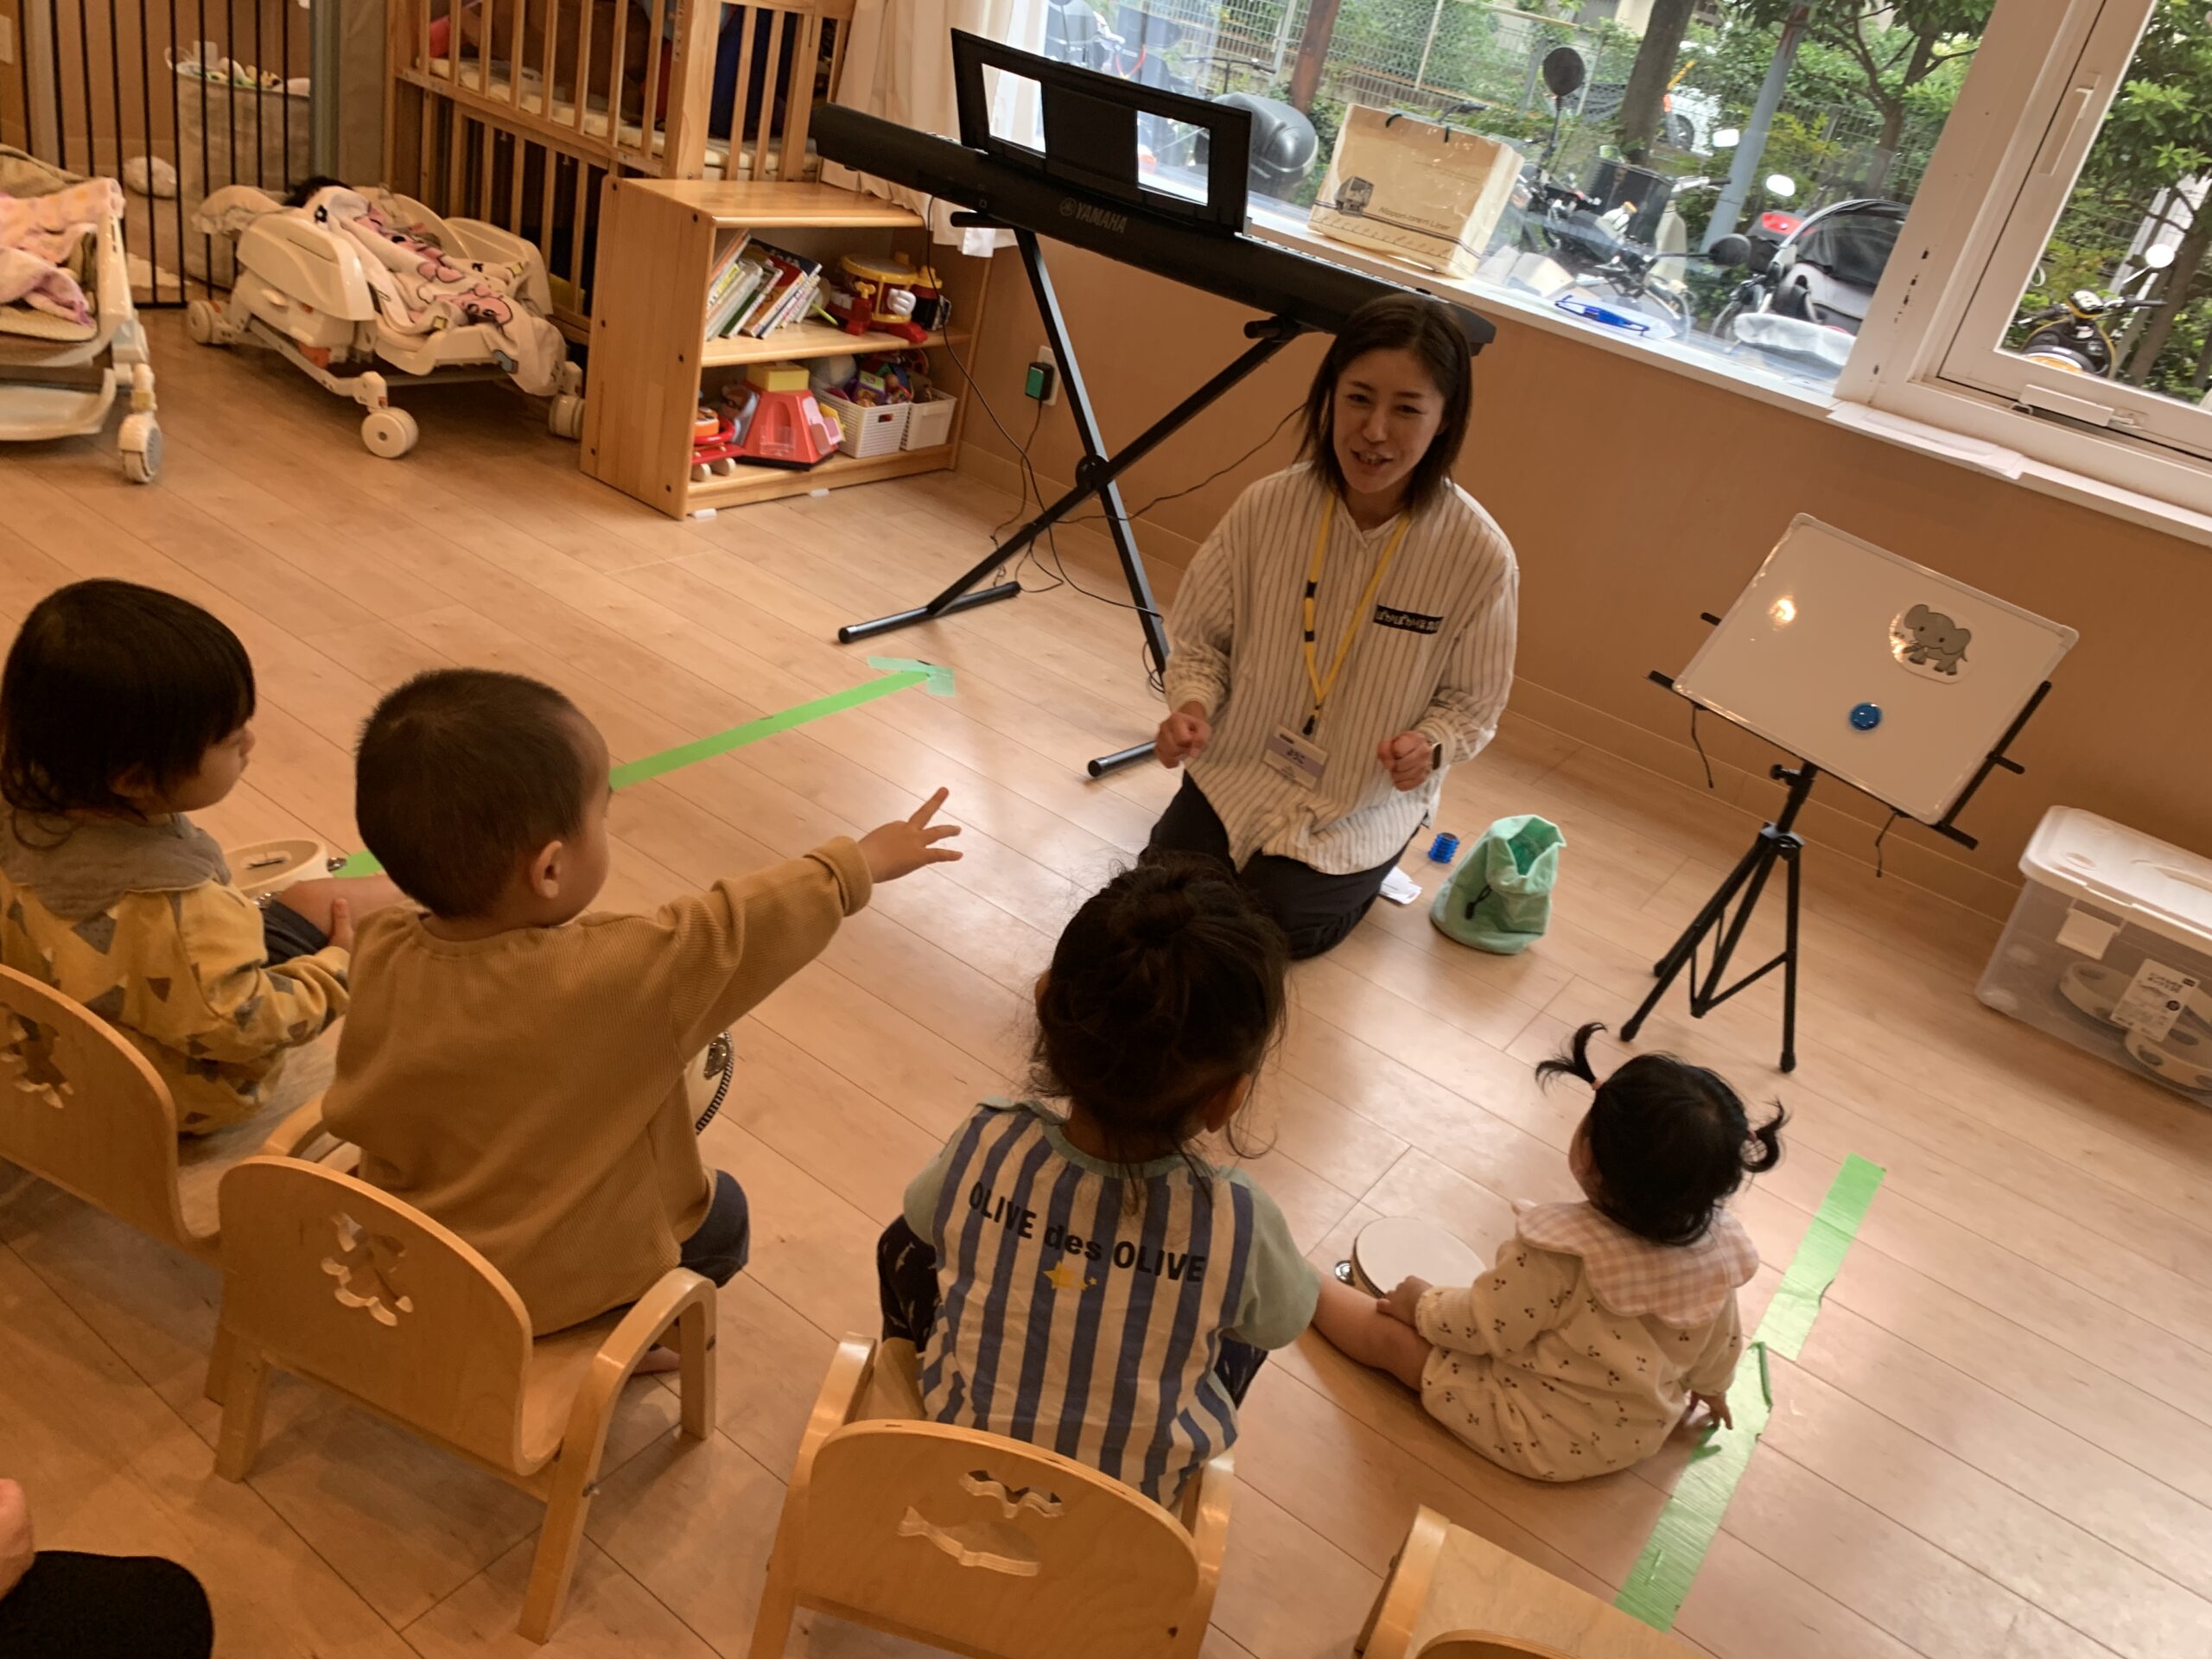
(1993, 216)
(2068, 299)
(1806, 128)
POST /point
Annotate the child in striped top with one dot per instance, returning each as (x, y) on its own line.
(1074, 1274)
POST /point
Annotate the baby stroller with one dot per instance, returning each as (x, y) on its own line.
(59, 376)
(307, 289)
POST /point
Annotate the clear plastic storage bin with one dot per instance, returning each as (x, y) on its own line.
(2110, 947)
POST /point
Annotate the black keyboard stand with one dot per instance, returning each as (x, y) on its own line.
(1096, 475)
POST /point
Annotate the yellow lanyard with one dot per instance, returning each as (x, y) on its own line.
(1321, 687)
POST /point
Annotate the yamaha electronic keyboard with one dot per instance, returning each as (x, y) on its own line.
(1083, 189)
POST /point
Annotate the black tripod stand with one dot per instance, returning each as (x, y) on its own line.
(1776, 841)
(1095, 475)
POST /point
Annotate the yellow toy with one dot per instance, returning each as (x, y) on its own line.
(888, 297)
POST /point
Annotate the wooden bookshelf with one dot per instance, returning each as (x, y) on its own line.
(659, 240)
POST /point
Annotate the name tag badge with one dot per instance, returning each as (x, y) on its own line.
(1295, 756)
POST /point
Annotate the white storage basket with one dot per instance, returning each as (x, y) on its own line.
(877, 430)
(931, 423)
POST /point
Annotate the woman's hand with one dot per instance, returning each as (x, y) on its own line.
(1401, 1303)
(904, 845)
(1407, 757)
(1182, 734)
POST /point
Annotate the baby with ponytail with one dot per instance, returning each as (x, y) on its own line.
(1601, 1324)
(1070, 1270)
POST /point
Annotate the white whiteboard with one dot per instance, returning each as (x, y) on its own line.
(1830, 623)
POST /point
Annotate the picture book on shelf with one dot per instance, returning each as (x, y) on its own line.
(732, 282)
(788, 276)
(752, 277)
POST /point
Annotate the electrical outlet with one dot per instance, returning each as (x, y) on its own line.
(1044, 354)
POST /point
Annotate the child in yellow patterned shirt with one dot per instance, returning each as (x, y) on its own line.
(123, 708)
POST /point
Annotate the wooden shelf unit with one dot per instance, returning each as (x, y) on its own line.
(660, 239)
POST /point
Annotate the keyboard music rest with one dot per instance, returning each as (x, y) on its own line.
(1278, 282)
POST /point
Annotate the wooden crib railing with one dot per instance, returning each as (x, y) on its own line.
(516, 111)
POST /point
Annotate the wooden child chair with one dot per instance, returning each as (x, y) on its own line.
(86, 1110)
(979, 1545)
(327, 1277)
(81, 1108)
(1452, 1594)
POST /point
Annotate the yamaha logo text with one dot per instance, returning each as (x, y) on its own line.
(1102, 217)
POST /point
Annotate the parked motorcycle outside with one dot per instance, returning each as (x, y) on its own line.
(1801, 310)
(1578, 252)
(2071, 333)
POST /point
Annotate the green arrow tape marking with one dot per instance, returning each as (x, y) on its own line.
(1688, 1526)
(1788, 1318)
(898, 673)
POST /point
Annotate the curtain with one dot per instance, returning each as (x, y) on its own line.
(899, 65)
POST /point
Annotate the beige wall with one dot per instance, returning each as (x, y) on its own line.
(1637, 499)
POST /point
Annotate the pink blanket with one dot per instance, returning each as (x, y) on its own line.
(39, 235)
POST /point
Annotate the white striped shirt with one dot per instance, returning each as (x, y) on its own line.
(1073, 1318)
(1434, 656)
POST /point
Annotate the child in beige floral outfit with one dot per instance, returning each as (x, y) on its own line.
(1601, 1324)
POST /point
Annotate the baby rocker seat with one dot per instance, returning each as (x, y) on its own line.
(59, 378)
(305, 290)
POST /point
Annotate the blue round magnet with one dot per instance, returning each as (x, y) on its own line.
(1866, 716)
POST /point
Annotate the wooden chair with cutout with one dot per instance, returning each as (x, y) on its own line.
(84, 1109)
(327, 1278)
(979, 1545)
(80, 1107)
(1452, 1594)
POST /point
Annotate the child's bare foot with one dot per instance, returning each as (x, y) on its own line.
(657, 1361)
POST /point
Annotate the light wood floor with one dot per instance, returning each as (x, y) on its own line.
(1999, 1442)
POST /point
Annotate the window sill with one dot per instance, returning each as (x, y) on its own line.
(1958, 448)
(1760, 383)
(1978, 456)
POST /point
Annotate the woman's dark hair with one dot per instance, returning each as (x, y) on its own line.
(1165, 986)
(108, 679)
(461, 773)
(1397, 323)
(1669, 1140)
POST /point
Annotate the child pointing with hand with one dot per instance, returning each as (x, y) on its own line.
(514, 1064)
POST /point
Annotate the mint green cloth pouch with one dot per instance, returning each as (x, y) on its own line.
(1500, 898)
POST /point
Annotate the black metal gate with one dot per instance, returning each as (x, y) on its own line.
(175, 99)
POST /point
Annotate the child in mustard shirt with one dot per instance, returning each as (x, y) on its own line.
(514, 1064)
(122, 709)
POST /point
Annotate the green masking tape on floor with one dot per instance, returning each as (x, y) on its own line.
(898, 673)
(1686, 1526)
(1788, 1318)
